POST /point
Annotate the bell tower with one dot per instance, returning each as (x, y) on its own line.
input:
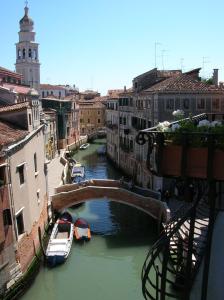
(27, 56)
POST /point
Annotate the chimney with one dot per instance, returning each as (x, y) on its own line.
(125, 88)
(215, 77)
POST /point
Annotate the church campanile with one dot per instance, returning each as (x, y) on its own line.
(27, 56)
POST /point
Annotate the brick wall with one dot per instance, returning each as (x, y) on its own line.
(25, 252)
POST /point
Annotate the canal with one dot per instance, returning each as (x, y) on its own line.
(109, 266)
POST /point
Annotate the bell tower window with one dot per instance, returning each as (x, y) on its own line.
(30, 53)
(35, 54)
(24, 53)
(19, 54)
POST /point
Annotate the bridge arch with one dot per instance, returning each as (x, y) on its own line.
(69, 195)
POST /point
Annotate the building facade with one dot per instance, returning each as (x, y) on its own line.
(92, 116)
(154, 97)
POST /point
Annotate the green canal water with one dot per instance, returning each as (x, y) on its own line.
(109, 266)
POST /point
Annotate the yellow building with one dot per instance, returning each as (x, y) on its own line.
(92, 116)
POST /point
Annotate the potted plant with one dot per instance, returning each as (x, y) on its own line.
(184, 149)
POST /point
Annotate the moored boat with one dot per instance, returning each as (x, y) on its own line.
(84, 146)
(78, 173)
(82, 230)
(60, 243)
(66, 217)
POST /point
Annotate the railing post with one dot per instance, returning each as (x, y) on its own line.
(188, 269)
(164, 270)
(212, 205)
(160, 143)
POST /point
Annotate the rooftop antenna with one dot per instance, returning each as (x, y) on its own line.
(26, 3)
(182, 64)
(204, 61)
(162, 56)
(156, 44)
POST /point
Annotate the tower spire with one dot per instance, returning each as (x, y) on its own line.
(26, 8)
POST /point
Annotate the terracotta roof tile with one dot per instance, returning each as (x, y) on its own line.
(14, 107)
(20, 89)
(10, 134)
(183, 83)
(45, 86)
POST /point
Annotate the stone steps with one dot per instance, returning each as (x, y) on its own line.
(15, 274)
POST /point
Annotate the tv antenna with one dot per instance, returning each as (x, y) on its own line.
(156, 45)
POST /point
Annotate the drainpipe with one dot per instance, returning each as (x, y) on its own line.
(12, 205)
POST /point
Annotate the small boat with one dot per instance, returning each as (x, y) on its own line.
(84, 146)
(60, 243)
(78, 172)
(101, 150)
(82, 230)
(66, 217)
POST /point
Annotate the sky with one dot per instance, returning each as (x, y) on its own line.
(104, 44)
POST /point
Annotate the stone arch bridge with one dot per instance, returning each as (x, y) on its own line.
(71, 194)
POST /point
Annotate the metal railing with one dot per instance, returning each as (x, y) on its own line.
(173, 261)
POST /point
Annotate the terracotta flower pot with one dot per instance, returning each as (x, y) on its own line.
(197, 162)
(171, 160)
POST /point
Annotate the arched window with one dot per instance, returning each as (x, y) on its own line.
(19, 53)
(35, 53)
(30, 53)
(24, 53)
(43, 94)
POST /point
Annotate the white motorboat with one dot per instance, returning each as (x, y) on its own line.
(60, 243)
(78, 172)
(84, 146)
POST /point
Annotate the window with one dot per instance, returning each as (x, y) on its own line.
(29, 116)
(35, 162)
(20, 170)
(201, 103)
(24, 53)
(98, 121)
(215, 104)
(52, 93)
(35, 54)
(20, 223)
(7, 219)
(30, 53)
(43, 94)
(59, 94)
(98, 112)
(38, 196)
(88, 120)
(2, 176)
(19, 54)
(81, 120)
(169, 104)
(186, 104)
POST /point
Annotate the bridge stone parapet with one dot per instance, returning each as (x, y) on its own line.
(72, 194)
(92, 182)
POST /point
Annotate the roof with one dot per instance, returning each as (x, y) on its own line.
(183, 83)
(10, 134)
(92, 104)
(14, 107)
(161, 73)
(53, 98)
(10, 73)
(20, 89)
(46, 86)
